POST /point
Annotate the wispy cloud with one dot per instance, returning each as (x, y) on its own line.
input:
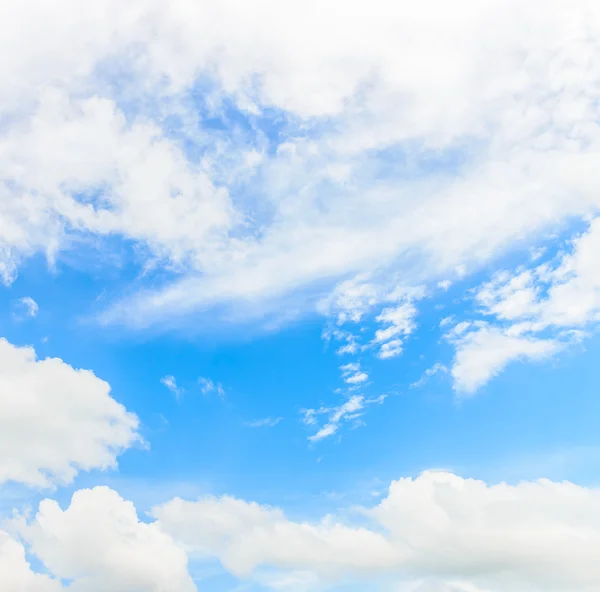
(208, 386)
(25, 307)
(435, 369)
(171, 383)
(266, 422)
(350, 410)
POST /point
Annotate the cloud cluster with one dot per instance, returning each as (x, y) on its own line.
(434, 533)
(438, 532)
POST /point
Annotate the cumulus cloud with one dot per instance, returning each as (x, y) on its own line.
(56, 420)
(438, 532)
(16, 573)
(99, 545)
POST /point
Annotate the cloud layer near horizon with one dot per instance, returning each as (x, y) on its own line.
(435, 532)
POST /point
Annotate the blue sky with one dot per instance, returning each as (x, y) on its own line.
(282, 310)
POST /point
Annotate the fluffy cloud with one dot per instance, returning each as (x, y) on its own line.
(56, 420)
(16, 573)
(440, 531)
(434, 533)
(99, 545)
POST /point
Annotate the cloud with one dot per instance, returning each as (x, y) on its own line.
(484, 352)
(435, 369)
(99, 545)
(350, 410)
(351, 341)
(208, 386)
(56, 420)
(353, 375)
(438, 532)
(532, 313)
(244, 218)
(170, 382)
(16, 573)
(268, 422)
(400, 321)
(25, 307)
(564, 295)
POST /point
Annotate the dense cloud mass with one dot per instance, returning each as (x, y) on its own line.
(493, 100)
(531, 536)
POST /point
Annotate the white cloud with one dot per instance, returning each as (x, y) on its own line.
(400, 323)
(351, 341)
(100, 545)
(564, 295)
(56, 420)
(506, 117)
(434, 533)
(16, 574)
(351, 300)
(535, 313)
(391, 349)
(266, 422)
(171, 383)
(483, 353)
(208, 386)
(435, 369)
(350, 348)
(350, 410)
(352, 374)
(27, 307)
(438, 531)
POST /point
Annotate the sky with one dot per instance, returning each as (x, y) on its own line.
(299, 296)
